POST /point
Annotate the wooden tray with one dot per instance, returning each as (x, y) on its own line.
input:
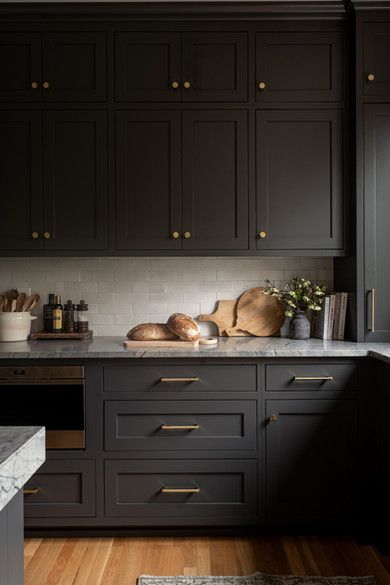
(80, 336)
(131, 343)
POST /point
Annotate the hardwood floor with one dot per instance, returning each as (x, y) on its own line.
(119, 561)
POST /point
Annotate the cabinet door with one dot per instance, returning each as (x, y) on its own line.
(376, 39)
(21, 180)
(20, 66)
(74, 66)
(214, 67)
(376, 221)
(215, 193)
(148, 198)
(298, 67)
(310, 460)
(75, 180)
(147, 65)
(299, 180)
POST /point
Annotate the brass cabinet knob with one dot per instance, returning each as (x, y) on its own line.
(262, 235)
(262, 85)
(47, 235)
(273, 418)
(35, 235)
(175, 235)
(187, 235)
(371, 77)
(186, 85)
(175, 84)
(34, 85)
(45, 85)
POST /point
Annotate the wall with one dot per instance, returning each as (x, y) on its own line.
(123, 292)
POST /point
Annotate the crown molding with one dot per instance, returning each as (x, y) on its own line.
(360, 5)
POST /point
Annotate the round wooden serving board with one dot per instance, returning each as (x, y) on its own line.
(258, 313)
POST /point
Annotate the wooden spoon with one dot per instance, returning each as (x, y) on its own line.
(20, 301)
(11, 294)
(30, 303)
(5, 303)
(13, 306)
(1, 302)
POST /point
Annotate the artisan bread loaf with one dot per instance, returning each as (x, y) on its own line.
(183, 326)
(151, 332)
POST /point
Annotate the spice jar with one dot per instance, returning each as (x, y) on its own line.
(69, 317)
(82, 317)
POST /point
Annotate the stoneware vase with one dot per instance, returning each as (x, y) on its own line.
(300, 326)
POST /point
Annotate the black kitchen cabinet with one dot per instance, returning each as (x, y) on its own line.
(21, 217)
(299, 180)
(12, 542)
(376, 69)
(20, 66)
(311, 449)
(298, 67)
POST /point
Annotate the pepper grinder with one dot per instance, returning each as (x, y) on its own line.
(82, 317)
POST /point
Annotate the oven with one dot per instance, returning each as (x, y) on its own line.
(49, 396)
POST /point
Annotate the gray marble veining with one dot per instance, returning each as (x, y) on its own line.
(229, 347)
(22, 452)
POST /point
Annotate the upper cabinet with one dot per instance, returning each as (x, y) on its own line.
(298, 67)
(193, 67)
(61, 66)
(376, 67)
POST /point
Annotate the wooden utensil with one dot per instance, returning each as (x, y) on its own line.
(258, 313)
(179, 344)
(13, 306)
(5, 304)
(1, 302)
(11, 294)
(20, 301)
(30, 302)
(224, 318)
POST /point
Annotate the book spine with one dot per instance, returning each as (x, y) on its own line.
(323, 318)
(336, 316)
(343, 313)
(332, 304)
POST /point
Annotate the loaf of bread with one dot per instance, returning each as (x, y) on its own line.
(151, 332)
(183, 326)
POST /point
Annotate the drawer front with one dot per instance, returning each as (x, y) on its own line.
(212, 488)
(61, 488)
(171, 378)
(303, 377)
(180, 425)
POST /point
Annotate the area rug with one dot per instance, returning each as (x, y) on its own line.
(256, 579)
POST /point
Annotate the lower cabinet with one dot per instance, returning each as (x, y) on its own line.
(311, 451)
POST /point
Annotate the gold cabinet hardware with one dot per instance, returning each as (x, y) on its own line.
(34, 85)
(185, 380)
(175, 84)
(273, 418)
(180, 490)
(45, 85)
(35, 235)
(262, 85)
(313, 378)
(187, 235)
(372, 328)
(180, 427)
(262, 235)
(175, 235)
(31, 491)
(47, 235)
(371, 77)
(187, 85)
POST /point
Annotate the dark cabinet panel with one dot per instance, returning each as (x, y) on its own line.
(21, 180)
(74, 66)
(298, 377)
(299, 180)
(11, 542)
(20, 67)
(376, 67)
(148, 198)
(214, 67)
(75, 180)
(215, 191)
(298, 67)
(311, 451)
(147, 64)
(376, 221)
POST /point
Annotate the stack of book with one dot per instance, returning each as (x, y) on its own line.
(329, 323)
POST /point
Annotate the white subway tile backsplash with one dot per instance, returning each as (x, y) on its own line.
(122, 292)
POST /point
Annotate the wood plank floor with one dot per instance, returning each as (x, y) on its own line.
(119, 561)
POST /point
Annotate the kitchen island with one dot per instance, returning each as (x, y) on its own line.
(22, 452)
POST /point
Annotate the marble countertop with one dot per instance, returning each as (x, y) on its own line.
(22, 452)
(229, 347)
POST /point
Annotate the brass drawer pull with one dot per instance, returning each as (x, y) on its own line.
(180, 490)
(313, 378)
(272, 418)
(372, 328)
(180, 427)
(31, 491)
(168, 380)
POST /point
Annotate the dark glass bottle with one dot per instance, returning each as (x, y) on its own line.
(69, 317)
(48, 315)
(58, 315)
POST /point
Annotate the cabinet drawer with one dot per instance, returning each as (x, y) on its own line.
(180, 425)
(213, 488)
(64, 489)
(302, 377)
(167, 378)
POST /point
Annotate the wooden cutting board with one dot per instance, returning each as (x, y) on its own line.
(258, 313)
(151, 344)
(224, 318)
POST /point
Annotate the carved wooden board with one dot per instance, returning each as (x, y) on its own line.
(224, 318)
(258, 313)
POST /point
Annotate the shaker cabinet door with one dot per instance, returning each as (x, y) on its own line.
(148, 196)
(376, 68)
(20, 67)
(21, 180)
(215, 192)
(75, 180)
(299, 180)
